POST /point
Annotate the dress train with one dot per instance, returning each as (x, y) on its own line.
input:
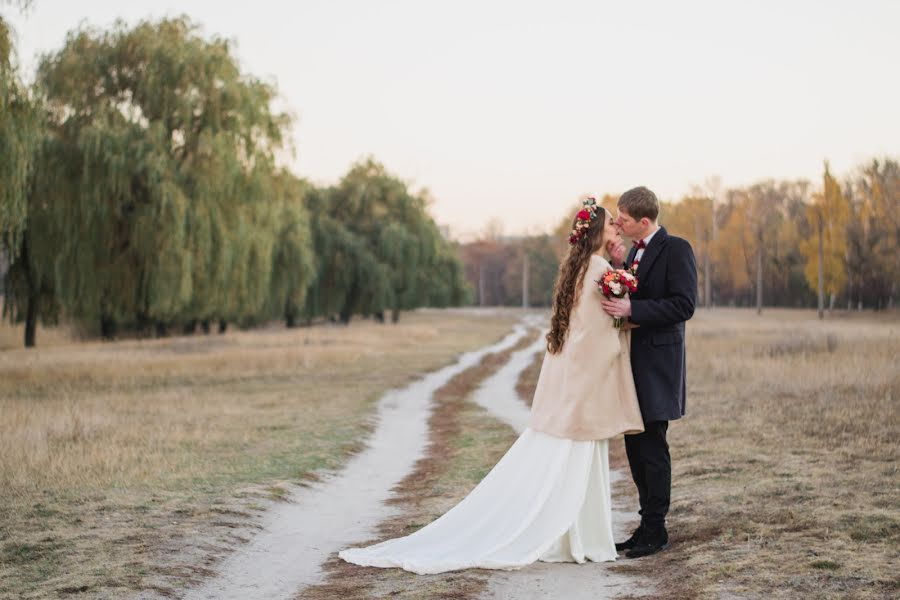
(548, 499)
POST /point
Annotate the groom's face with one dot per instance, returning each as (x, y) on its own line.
(627, 225)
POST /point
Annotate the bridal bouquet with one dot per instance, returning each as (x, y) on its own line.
(615, 284)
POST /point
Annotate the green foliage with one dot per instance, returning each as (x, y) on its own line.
(28, 286)
(150, 197)
(175, 211)
(378, 249)
(138, 188)
(20, 136)
(293, 261)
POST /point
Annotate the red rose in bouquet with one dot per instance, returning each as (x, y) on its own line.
(615, 284)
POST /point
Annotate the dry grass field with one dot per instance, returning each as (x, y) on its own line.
(113, 455)
(785, 477)
(785, 470)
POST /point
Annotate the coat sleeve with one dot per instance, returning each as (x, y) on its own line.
(681, 284)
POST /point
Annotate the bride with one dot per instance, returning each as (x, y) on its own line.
(548, 498)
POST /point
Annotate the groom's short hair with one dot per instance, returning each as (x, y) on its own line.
(640, 202)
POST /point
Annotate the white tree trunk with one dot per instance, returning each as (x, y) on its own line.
(821, 271)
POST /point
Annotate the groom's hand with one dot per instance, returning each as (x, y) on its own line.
(617, 307)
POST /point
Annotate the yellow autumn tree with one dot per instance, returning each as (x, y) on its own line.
(733, 251)
(825, 252)
(691, 218)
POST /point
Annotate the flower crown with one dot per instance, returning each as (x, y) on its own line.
(583, 219)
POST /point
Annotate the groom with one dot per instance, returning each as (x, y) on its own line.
(664, 300)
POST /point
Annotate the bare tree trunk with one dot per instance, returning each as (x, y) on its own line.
(525, 281)
(31, 321)
(759, 278)
(821, 271)
(859, 291)
(707, 281)
(107, 327)
(31, 310)
(698, 235)
(850, 291)
(480, 285)
(713, 185)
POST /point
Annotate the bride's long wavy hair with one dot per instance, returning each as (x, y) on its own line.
(569, 281)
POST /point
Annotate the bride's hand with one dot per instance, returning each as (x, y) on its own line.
(616, 250)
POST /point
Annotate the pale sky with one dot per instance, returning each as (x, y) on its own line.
(513, 109)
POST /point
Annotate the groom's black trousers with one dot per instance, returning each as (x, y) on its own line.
(651, 469)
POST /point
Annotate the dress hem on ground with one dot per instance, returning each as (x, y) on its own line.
(547, 499)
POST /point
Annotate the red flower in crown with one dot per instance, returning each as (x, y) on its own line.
(583, 219)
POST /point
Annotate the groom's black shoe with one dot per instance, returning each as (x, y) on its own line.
(650, 542)
(632, 541)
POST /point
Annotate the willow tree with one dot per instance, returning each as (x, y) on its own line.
(447, 285)
(24, 239)
(170, 216)
(29, 288)
(380, 208)
(362, 201)
(348, 277)
(293, 262)
(19, 138)
(378, 249)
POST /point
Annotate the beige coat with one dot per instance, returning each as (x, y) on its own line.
(586, 392)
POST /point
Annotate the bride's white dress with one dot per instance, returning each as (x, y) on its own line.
(549, 496)
(547, 499)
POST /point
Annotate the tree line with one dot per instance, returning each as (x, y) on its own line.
(139, 192)
(796, 243)
(773, 243)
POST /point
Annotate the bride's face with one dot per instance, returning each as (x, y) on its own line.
(610, 232)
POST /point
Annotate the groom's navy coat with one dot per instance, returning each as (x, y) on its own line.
(664, 300)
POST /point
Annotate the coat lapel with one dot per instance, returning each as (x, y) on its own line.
(651, 252)
(630, 260)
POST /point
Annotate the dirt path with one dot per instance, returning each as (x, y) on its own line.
(498, 395)
(296, 537)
